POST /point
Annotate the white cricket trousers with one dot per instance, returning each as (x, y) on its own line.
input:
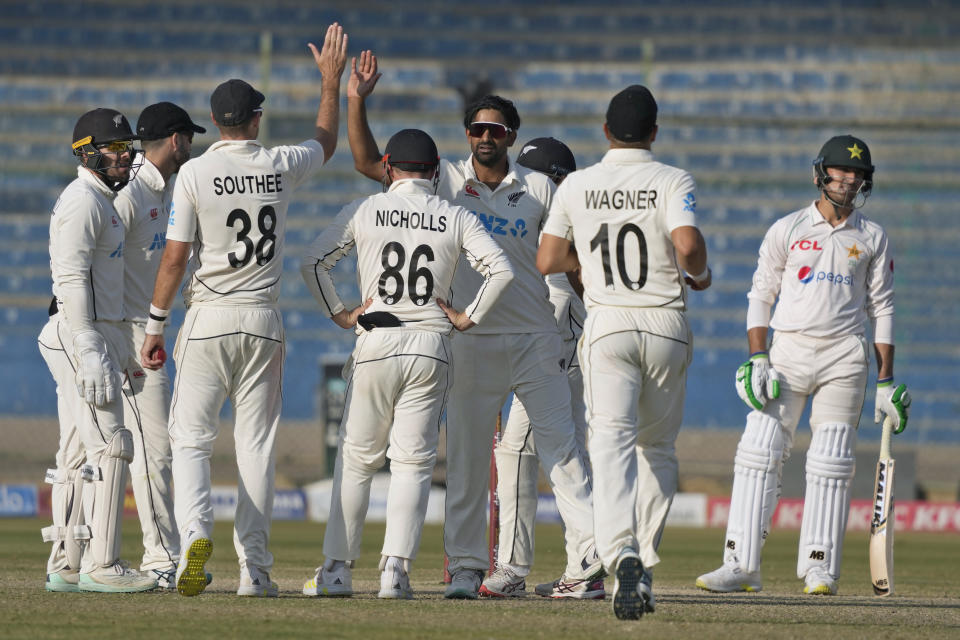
(397, 391)
(517, 469)
(85, 430)
(146, 412)
(233, 352)
(487, 368)
(57, 349)
(634, 376)
(831, 371)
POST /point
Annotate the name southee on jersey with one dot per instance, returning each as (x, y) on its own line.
(411, 220)
(265, 183)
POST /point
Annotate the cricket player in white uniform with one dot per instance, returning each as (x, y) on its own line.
(408, 242)
(87, 348)
(518, 347)
(166, 132)
(516, 456)
(230, 209)
(829, 269)
(632, 223)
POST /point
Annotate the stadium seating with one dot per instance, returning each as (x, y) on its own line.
(748, 90)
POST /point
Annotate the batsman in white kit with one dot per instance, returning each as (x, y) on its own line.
(518, 348)
(516, 455)
(166, 134)
(829, 269)
(87, 347)
(629, 224)
(229, 217)
(408, 244)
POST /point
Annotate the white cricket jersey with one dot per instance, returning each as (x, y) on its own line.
(619, 214)
(409, 242)
(143, 206)
(86, 253)
(829, 279)
(512, 215)
(231, 203)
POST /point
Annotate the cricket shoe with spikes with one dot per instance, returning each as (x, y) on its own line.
(503, 583)
(632, 597)
(819, 583)
(580, 589)
(395, 579)
(191, 578)
(116, 578)
(256, 583)
(730, 578)
(167, 578)
(464, 585)
(63, 581)
(334, 580)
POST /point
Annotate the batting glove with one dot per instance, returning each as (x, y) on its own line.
(893, 402)
(757, 381)
(97, 377)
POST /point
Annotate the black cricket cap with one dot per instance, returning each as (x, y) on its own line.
(102, 125)
(632, 114)
(845, 151)
(164, 119)
(234, 102)
(547, 155)
(412, 148)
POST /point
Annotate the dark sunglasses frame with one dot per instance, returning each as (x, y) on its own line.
(497, 131)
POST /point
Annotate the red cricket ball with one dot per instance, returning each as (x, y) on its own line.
(159, 354)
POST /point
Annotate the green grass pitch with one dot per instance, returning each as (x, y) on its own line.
(927, 604)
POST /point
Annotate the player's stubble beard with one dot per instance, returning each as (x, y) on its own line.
(489, 153)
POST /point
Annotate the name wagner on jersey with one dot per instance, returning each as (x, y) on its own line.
(410, 220)
(621, 199)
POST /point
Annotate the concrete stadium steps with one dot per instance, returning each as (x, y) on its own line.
(744, 89)
(527, 29)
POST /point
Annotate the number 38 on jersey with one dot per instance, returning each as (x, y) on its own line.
(264, 248)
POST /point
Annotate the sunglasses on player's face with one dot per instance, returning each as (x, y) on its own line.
(497, 131)
(117, 146)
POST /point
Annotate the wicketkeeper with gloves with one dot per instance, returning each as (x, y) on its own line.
(88, 349)
(832, 269)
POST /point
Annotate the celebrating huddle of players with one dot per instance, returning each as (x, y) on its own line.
(455, 314)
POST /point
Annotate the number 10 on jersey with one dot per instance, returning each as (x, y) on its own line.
(602, 241)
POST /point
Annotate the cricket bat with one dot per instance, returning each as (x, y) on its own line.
(881, 527)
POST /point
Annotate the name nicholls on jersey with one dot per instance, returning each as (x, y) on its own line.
(410, 220)
(229, 185)
(620, 199)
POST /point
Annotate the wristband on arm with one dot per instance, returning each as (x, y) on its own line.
(701, 277)
(156, 320)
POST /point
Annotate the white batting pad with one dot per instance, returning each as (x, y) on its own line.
(66, 506)
(106, 509)
(830, 467)
(517, 493)
(756, 490)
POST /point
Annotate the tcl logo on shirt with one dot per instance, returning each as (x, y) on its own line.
(807, 275)
(154, 213)
(470, 191)
(806, 245)
(113, 219)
